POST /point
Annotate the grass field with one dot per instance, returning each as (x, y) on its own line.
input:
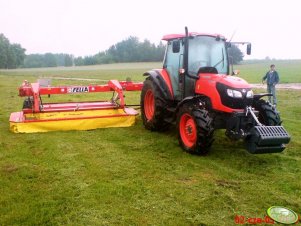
(289, 70)
(131, 176)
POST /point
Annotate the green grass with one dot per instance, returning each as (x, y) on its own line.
(131, 176)
(253, 71)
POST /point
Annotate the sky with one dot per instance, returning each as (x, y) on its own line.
(86, 27)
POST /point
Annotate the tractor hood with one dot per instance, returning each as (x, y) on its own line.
(228, 80)
(233, 82)
(215, 87)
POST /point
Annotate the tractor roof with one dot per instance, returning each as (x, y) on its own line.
(179, 36)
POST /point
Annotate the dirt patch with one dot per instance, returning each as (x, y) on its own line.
(9, 168)
(294, 86)
(188, 181)
(228, 184)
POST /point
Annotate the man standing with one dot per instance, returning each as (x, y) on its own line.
(272, 78)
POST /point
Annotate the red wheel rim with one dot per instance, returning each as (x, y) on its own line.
(188, 131)
(149, 104)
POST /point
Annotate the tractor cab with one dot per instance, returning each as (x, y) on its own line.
(205, 54)
(189, 56)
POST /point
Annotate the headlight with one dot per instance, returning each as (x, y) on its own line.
(250, 94)
(234, 93)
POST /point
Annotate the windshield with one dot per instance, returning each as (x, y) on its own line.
(206, 51)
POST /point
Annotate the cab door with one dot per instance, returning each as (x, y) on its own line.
(172, 63)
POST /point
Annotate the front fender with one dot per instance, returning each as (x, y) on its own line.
(256, 97)
(191, 99)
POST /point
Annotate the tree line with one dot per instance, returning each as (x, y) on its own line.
(128, 50)
(11, 55)
(48, 60)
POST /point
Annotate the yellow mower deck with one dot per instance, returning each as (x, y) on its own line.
(75, 120)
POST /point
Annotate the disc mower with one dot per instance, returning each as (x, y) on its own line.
(195, 91)
(37, 116)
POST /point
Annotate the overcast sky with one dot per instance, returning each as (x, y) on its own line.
(85, 27)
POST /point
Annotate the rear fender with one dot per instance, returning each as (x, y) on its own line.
(157, 78)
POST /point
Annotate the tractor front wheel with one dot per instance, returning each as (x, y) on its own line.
(268, 115)
(195, 130)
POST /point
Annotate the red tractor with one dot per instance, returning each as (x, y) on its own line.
(196, 91)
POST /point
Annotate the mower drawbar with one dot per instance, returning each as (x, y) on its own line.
(267, 139)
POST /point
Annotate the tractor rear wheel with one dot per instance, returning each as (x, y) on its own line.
(268, 115)
(195, 130)
(153, 107)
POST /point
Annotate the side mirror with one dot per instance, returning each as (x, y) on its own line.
(176, 46)
(249, 47)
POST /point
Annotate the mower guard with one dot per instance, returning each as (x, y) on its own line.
(267, 139)
(71, 120)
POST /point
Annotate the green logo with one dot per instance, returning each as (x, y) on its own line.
(282, 215)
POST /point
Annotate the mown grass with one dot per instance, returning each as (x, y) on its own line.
(131, 176)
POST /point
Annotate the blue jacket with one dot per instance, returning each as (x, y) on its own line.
(272, 79)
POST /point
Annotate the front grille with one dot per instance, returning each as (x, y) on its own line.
(234, 103)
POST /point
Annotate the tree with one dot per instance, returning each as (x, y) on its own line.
(19, 53)
(4, 46)
(79, 61)
(68, 60)
(235, 54)
(11, 55)
(49, 60)
(33, 61)
(160, 51)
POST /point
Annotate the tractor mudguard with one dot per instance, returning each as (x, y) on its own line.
(193, 99)
(261, 95)
(157, 78)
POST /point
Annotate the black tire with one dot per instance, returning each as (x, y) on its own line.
(202, 139)
(153, 119)
(268, 115)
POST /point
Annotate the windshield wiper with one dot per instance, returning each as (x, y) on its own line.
(221, 61)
